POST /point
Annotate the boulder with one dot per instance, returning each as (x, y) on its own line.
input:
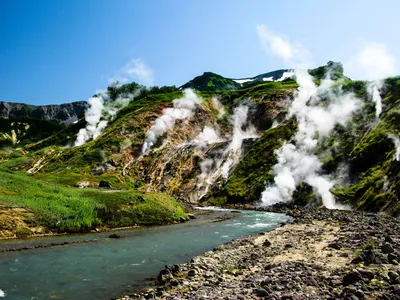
(387, 248)
(105, 184)
(191, 216)
(261, 292)
(351, 277)
(83, 184)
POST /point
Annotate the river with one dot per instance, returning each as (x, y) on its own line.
(99, 267)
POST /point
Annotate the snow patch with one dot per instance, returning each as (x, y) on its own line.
(268, 79)
(241, 81)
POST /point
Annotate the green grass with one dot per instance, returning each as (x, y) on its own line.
(68, 209)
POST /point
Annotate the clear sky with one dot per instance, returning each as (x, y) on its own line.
(58, 51)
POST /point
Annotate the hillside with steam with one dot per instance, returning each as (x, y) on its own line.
(310, 137)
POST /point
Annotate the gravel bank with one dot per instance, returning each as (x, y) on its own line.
(323, 254)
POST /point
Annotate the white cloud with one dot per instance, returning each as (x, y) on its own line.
(373, 62)
(135, 70)
(292, 53)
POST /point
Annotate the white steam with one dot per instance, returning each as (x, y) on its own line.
(183, 108)
(228, 158)
(396, 142)
(316, 118)
(373, 63)
(233, 152)
(218, 106)
(373, 90)
(100, 111)
(208, 136)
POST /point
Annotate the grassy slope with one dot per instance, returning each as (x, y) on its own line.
(64, 208)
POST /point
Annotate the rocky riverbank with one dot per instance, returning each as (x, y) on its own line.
(323, 254)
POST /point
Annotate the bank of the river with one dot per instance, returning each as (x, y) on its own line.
(323, 254)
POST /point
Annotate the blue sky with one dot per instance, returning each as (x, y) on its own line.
(61, 51)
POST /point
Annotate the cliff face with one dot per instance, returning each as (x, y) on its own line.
(62, 113)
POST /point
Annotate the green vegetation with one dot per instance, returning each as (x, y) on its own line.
(211, 82)
(64, 208)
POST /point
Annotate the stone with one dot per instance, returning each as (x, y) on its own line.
(105, 184)
(267, 243)
(395, 289)
(351, 277)
(387, 248)
(114, 236)
(359, 294)
(192, 273)
(191, 216)
(261, 292)
(83, 184)
(393, 275)
(289, 245)
(335, 246)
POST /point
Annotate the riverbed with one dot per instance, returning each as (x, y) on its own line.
(94, 266)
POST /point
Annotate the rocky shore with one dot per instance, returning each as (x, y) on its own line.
(322, 254)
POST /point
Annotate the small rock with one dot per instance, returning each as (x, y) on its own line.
(351, 277)
(393, 275)
(192, 273)
(335, 246)
(191, 216)
(289, 245)
(261, 292)
(267, 243)
(105, 184)
(387, 248)
(359, 294)
(395, 289)
(114, 236)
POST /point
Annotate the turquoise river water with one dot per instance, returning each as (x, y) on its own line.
(102, 268)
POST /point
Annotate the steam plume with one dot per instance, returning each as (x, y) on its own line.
(373, 63)
(228, 158)
(396, 142)
(183, 109)
(296, 161)
(101, 110)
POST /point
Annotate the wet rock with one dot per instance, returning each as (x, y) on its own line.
(114, 236)
(351, 277)
(191, 216)
(192, 273)
(165, 276)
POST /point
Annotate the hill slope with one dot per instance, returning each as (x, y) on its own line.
(259, 143)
